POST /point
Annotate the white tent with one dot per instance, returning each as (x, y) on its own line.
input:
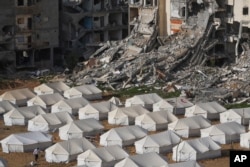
(90, 92)
(3, 163)
(185, 164)
(210, 110)
(145, 160)
(154, 121)
(21, 115)
(80, 128)
(125, 115)
(245, 140)
(179, 104)
(6, 106)
(48, 122)
(116, 101)
(69, 105)
(163, 105)
(45, 101)
(66, 151)
(162, 142)
(189, 127)
(122, 136)
(240, 115)
(97, 110)
(102, 156)
(196, 149)
(146, 100)
(43, 89)
(25, 142)
(224, 133)
(18, 96)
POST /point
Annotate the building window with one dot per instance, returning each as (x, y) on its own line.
(20, 2)
(245, 11)
(20, 21)
(20, 39)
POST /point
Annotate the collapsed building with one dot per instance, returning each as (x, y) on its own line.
(200, 44)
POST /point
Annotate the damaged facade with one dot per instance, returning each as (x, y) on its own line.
(29, 33)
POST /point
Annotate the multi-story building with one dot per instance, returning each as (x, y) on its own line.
(29, 32)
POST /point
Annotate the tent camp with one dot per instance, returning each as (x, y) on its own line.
(179, 104)
(97, 110)
(6, 106)
(240, 115)
(189, 127)
(163, 105)
(80, 128)
(146, 100)
(154, 121)
(43, 89)
(102, 156)
(66, 151)
(25, 142)
(224, 133)
(21, 115)
(49, 122)
(51, 88)
(145, 160)
(162, 142)
(196, 149)
(45, 101)
(185, 164)
(18, 96)
(125, 115)
(116, 101)
(245, 140)
(210, 110)
(89, 92)
(122, 136)
(69, 105)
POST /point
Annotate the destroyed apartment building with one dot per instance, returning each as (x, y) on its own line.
(202, 45)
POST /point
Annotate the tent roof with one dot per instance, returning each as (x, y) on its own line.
(70, 147)
(163, 104)
(6, 106)
(228, 128)
(17, 94)
(53, 118)
(74, 103)
(209, 107)
(242, 112)
(194, 122)
(102, 107)
(43, 88)
(179, 102)
(147, 159)
(115, 100)
(47, 99)
(150, 98)
(132, 111)
(88, 89)
(58, 86)
(185, 164)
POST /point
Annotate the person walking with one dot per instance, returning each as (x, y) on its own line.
(36, 153)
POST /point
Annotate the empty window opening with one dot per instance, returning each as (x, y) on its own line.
(245, 11)
(20, 21)
(20, 2)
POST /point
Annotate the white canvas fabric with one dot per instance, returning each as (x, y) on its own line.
(102, 156)
(116, 101)
(245, 140)
(18, 96)
(162, 142)
(145, 160)
(3, 163)
(179, 104)
(43, 89)
(224, 133)
(98, 111)
(146, 100)
(163, 105)
(122, 136)
(80, 128)
(66, 151)
(185, 164)
(189, 127)
(210, 110)
(154, 121)
(6, 106)
(49, 122)
(240, 115)
(126, 115)
(25, 142)
(21, 115)
(71, 106)
(58, 87)
(90, 92)
(45, 101)
(196, 149)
